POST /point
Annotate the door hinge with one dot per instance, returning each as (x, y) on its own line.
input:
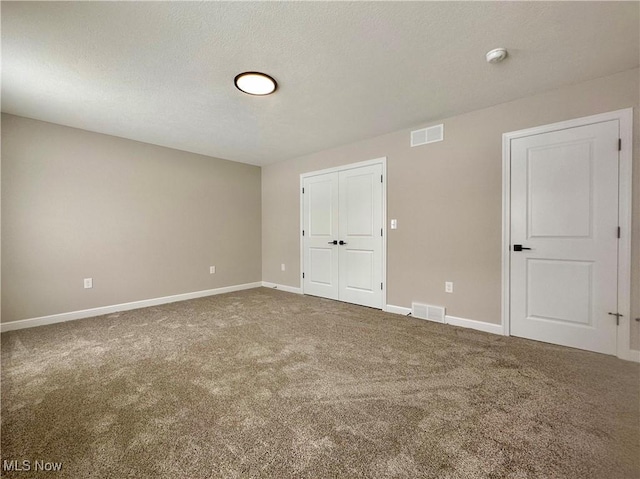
(380, 178)
(302, 232)
(380, 286)
(303, 191)
(380, 231)
(618, 232)
(619, 144)
(302, 275)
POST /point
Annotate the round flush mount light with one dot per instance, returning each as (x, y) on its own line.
(496, 55)
(255, 83)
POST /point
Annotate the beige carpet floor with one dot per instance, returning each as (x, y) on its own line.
(263, 383)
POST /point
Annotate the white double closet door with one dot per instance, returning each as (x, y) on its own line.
(342, 235)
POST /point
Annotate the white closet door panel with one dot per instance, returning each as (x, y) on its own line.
(320, 203)
(361, 230)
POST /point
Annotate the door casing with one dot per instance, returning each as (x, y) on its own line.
(625, 121)
(378, 161)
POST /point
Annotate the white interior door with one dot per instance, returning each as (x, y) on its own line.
(564, 207)
(342, 242)
(320, 241)
(360, 219)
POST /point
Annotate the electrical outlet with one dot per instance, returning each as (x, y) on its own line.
(212, 270)
(88, 283)
(448, 287)
(394, 224)
(283, 267)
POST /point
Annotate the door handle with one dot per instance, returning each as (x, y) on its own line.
(519, 247)
(333, 242)
(342, 242)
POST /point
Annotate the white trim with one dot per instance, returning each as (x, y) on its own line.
(300, 227)
(377, 161)
(454, 321)
(630, 355)
(625, 122)
(505, 313)
(625, 201)
(472, 324)
(383, 161)
(397, 309)
(89, 313)
(282, 287)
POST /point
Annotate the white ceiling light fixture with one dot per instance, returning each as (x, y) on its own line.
(496, 55)
(255, 83)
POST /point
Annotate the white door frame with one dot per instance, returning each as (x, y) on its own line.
(625, 118)
(377, 161)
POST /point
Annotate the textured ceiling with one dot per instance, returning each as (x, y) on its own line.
(163, 72)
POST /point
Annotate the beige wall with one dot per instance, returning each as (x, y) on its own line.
(146, 221)
(447, 198)
(143, 221)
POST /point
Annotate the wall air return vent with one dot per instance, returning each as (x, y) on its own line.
(427, 135)
(428, 312)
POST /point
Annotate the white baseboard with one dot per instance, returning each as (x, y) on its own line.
(88, 313)
(397, 310)
(630, 355)
(454, 321)
(472, 324)
(282, 287)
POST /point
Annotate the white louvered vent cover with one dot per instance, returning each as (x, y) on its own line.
(426, 311)
(427, 135)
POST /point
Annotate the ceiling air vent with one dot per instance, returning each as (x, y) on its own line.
(427, 135)
(426, 311)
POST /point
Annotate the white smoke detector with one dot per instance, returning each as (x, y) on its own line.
(496, 55)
